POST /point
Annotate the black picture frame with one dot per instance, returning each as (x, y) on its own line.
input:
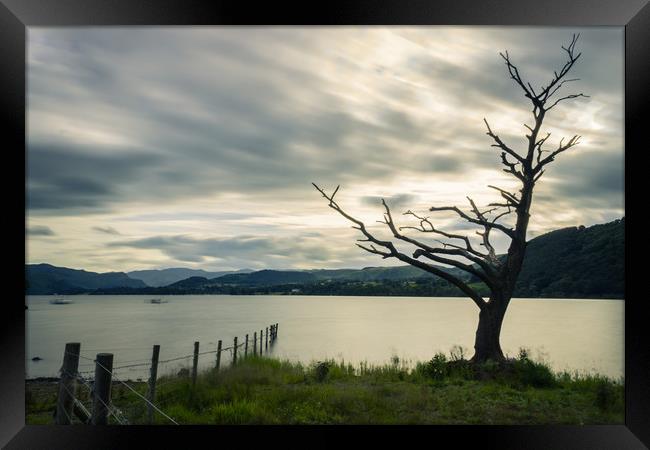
(16, 15)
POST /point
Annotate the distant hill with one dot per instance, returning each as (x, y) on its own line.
(367, 281)
(165, 277)
(188, 283)
(278, 277)
(321, 282)
(43, 279)
(575, 262)
(267, 277)
(379, 273)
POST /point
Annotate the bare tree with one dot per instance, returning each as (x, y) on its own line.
(499, 274)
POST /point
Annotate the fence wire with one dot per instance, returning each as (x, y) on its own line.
(85, 378)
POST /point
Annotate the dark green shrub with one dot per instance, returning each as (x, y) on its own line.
(531, 373)
(605, 395)
(321, 370)
(437, 367)
(461, 368)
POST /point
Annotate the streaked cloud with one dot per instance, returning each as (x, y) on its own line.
(40, 230)
(206, 139)
(107, 230)
(302, 250)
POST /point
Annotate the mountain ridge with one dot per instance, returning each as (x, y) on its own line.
(165, 277)
(575, 262)
(48, 279)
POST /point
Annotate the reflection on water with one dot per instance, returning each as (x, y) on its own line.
(583, 335)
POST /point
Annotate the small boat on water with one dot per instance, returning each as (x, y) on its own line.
(157, 300)
(60, 301)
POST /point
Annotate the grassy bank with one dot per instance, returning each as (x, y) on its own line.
(441, 391)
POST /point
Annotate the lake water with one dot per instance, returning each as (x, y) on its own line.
(574, 335)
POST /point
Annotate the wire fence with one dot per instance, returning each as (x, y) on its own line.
(93, 404)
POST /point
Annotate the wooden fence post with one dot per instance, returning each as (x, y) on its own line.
(261, 342)
(102, 388)
(218, 354)
(234, 352)
(152, 381)
(246, 347)
(255, 343)
(64, 406)
(266, 341)
(195, 362)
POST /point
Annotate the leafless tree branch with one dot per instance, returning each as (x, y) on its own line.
(575, 140)
(468, 251)
(514, 74)
(509, 197)
(557, 82)
(508, 231)
(392, 252)
(430, 252)
(500, 144)
(539, 99)
(566, 97)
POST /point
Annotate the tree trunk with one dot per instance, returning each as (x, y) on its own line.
(486, 345)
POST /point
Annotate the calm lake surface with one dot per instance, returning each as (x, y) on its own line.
(574, 335)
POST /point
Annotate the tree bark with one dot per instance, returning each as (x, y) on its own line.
(486, 344)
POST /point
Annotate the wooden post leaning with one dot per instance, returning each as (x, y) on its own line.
(67, 385)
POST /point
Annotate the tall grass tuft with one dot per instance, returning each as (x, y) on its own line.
(443, 390)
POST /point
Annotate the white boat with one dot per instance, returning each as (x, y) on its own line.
(60, 301)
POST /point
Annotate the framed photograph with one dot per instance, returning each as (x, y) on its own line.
(390, 218)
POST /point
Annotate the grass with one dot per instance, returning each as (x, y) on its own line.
(444, 390)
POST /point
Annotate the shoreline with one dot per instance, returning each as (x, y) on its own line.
(261, 390)
(310, 295)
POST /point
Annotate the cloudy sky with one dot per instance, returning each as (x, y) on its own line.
(196, 146)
